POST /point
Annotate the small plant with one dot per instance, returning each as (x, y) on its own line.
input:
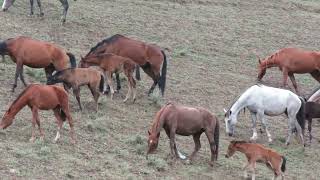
(36, 74)
(159, 164)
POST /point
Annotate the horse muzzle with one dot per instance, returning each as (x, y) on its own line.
(230, 134)
(4, 9)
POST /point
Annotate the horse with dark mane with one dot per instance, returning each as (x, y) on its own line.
(150, 58)
(290, 61)
(8, 3)
(36, 54)
(41, 97)
(185, 121)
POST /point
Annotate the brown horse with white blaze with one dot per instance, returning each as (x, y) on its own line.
(150, 58)
(290, 61)
(185, 121)
(111, 63)
(258, 153)
(41, 97)
(35, 54)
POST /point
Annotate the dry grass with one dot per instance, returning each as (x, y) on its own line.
(209, 66)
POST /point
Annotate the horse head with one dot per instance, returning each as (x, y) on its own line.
(83, 63)
(230, 121)
(262, 69)
(56, 78)
(233, 147)
(152, 142)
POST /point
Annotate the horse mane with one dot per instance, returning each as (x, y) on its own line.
(20, 95)
(105, 41)
(58, 73)
(158, 115)
(240, 142)
(270, 60)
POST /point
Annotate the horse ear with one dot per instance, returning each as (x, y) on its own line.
(225, 111)
(259, 61)
(149, 132)
(81, 57)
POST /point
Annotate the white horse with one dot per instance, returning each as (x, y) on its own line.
(263, 100)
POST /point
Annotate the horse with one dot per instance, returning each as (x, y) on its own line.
(111, 63)
(185, 121)
(8, 3)
(264, 100)
(148, 57)
(76, 77)
(258, 153)
(290, 61)
(36, 54)
(312, 110)
(41, 97)
(314, 96)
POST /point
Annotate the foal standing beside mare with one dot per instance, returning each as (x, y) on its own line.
(76, 77)
(263, 100)
(149, 57)
(41, 97)
(35, 54)
(185, 121)
(290, 61)
(111, 63)
(8, 3)
(258, 153)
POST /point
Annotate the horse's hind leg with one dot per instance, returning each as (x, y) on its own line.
(18, 71)
(31, 7)
(40, 8)
(65, 5)
(95, 94)
(59, 122)
(210, 136)
(309, 129)
(254, 120)
(196, 139)
(22, 77)
(118, 81)
(109, 81)
(294, 83)
(40, 129)
(65, 109)
(76, 92)
(34, 117)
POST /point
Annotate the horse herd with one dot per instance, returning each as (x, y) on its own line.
(118, 54)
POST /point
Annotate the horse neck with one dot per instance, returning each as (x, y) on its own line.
(158, 122)
(239, 104)
(18, 104)
(269, 62)
(93, 61)
(242, 148)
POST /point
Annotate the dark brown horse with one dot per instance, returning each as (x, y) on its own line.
(36, 54)
(41, 97)
(312, 110)
(111, 63)
(290, 61)
(76, 77)
(185, 121)
(149, 57)
(8, 3)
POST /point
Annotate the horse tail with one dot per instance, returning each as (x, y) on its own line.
(162, 80)
(62, 114)
(101, 85)
(72, 60)
(3, 48)
(216, 138)
(300, 115)
(283, 165)
(138, 77)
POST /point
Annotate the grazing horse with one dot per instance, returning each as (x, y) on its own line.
(290, 61)
(148, 57)
(312, 110)
(35, 54)
(111, 63)
(263, 100)
(8, 3)
(76, 77)
(185, 121)
(41, 97)
(258, 153)
(314, 96)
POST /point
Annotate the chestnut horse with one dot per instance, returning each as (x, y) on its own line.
(76, 77)
(41, 97)
(111, 63)
(35, 54)
(290, 61)
(258, 153)
(8, 3)
(148, 57)
(185, 121)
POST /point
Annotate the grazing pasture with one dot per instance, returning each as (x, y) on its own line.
(211, 47)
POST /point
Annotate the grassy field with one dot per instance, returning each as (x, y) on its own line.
(211, 62)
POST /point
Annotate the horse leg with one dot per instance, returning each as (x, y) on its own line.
(34, 120)
(173, 147)
(31, 7)
(197, 145)
(291, 129)
(309, 129)
(65, 5)
(294, 83)
(65, 109)
(118, 81)
(109, 81)
(95, 95)
(18, 71)
(40, 129)
(265, 125)
(244, 168)
(210, 136)
(129, 91)
(316, 75)
(76, 92)
(253, 168)
(59, 122)
(40, 8)
(254, 119)
(22, 77)
(152, 87)
(299, 130)
(285, 77)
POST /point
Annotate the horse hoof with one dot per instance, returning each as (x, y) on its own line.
(41, 14)
(211, 164)
(32, 139)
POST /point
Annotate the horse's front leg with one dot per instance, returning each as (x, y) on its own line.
(254, 119)
(65, 5)
(265, 125)
(285, 77)
(40, 8)
(34, 120)
(31, 7)
(22, 77)
(174, 151)
(294, 83)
